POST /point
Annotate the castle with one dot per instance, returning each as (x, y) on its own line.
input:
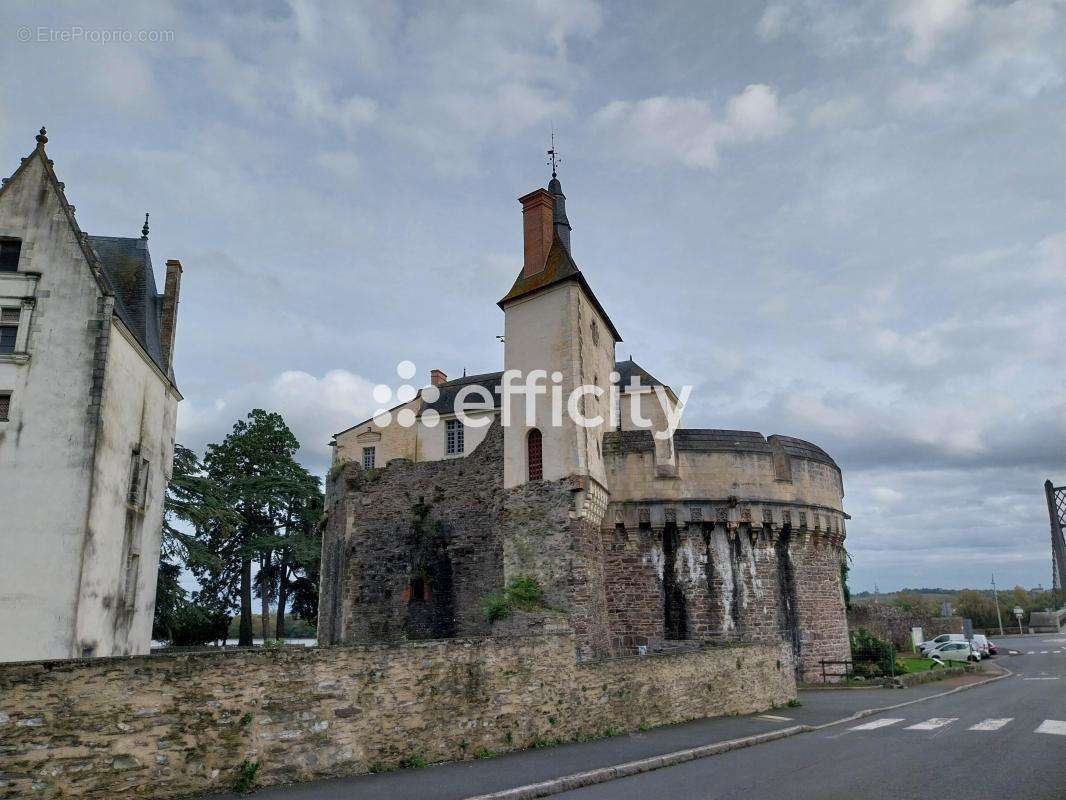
(88, 405)
(642, 537)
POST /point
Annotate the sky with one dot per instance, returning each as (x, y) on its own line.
(842, 221)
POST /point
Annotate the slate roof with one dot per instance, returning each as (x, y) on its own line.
(559, 268)
(127, 267)
(716, 440)
(629, 368)
(445, 403)
(802, 449)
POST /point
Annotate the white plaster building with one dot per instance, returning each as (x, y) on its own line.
(87, 414)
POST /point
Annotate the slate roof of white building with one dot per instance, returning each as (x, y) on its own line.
(127, 265)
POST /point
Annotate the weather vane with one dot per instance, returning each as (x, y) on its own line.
(553, 157)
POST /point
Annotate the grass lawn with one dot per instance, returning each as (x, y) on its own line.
(918, 664)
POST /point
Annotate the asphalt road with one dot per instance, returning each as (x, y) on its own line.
(1006, 739)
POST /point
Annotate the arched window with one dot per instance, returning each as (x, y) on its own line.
(535, 455)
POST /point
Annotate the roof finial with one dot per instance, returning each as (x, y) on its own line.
(552, 160)
(42, 139)
(144, 230)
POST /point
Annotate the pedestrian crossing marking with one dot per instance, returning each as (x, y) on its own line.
(1055, 726)
(1043, 652)
(990, 724)
(877, 723)
(1031, 653)
(932, 724)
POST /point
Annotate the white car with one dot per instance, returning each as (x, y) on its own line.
(927, 647)
(956, 651)
(982, 645)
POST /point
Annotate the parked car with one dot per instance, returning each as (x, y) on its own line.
(992, 649)
(927, 647)
(956, 651)
(983, 645)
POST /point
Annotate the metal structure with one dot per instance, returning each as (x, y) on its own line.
(1056, 506)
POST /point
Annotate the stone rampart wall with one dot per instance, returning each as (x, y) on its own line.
(175, 725)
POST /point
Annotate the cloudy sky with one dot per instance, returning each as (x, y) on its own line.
(840, 221)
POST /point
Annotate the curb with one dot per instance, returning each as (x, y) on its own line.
(578, 780)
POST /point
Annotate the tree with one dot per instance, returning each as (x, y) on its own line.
(193, 505)
(277, 504)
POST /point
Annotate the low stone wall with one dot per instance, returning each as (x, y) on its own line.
(172, 725)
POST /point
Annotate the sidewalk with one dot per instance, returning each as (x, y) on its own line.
(458, 780)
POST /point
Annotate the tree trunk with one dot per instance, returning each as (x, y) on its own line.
(245, 633)
(283, 599)
(264, 593)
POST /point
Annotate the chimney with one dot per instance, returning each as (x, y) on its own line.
(538, 226)
(437, 377)
(169, 320)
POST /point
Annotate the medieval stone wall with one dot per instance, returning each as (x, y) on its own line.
(175, 725)
(411, 550)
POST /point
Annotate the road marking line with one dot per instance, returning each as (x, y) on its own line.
(877, 723)
(931, 724)
(1056, 652)
(1042, 678)
(1055, 726)
(1031, 652)
(1043, 652)
(990, 724)
(774, 717)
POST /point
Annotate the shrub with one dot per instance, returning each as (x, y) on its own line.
(246, 776)
(872, 657)
(524, 594)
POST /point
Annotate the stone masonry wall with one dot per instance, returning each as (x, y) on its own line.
(175, 725)
(820, 615)
(410, 550)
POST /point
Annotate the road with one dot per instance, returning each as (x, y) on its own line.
(1006, 739)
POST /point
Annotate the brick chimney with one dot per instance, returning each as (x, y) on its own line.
(169, 319)
(538, 227)
(437, 377)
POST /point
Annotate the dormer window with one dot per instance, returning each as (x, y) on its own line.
(10, 249)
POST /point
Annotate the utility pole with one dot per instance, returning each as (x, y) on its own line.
(995, 594)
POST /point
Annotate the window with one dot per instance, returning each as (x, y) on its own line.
(9, 255)
(417, 593)
(138, 480)
(455, 436)
(130, 583)
(595, 332)
(368, 457)
(5, 406)
(9, 329)
(534, 455)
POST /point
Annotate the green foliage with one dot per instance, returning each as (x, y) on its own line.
(413, 762)
(916, 604)
(872, 657)
(524, 594)
(193, 626)
(845, 568)
(495, 607)
(246, 776)
(793, 703)
(249, 502)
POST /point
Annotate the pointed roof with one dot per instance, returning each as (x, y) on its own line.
(122, 267)
(629, 369)
(127, 265)
(558, 268)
